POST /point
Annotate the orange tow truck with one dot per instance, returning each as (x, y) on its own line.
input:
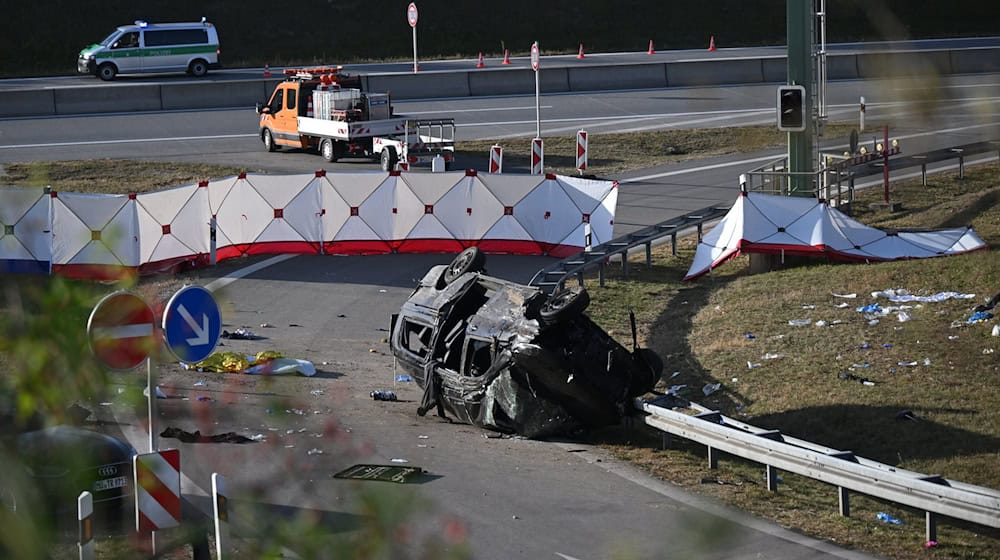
(324, 109)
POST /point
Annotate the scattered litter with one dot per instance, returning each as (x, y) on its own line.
(257, 437)
(105, 404)
(749, 336)
(885, 517)
(314, 451)
(851, 377)
(906, 415)
(845, 296)
(341, 316)
(197, 437)
(907, 364)
(266, 325)
(675, 390)
(862, 365)
(887, 345)
(799, 322)
(808, 306)
(199, 383)
(873, 322)
(927, 361)
(751, 365)
(675, 374)
(316, 392)
(987, 350)
(736, 379)
(294, 325)
(842, 305)
(820, 323)
(423, 437)
(398, 461)
(865, 346)
(711, 388)
(871, 308)
(996, 332)
(403, 378)
(383, 395)
(930, 544)
(381, 291)
(296, 411)
(282, 366)
(203, 398)
(241, 333)
(770, 356)
(980, 316)
(384, 473)
(159, 394)
(900, 295)
(903, 316)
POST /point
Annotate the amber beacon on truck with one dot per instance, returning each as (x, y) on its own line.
(145, 47)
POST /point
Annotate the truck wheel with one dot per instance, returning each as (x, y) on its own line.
(198, 68)
(328, 150)
(389, 158)
(268, 140)
(107, 71)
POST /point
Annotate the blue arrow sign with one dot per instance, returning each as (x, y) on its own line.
(192, 324)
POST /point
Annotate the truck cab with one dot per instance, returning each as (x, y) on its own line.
(292, 99)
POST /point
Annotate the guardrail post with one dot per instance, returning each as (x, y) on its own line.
(579, 278)
(930, 532)
(771, 474)
(713, 458)
(649, 254)
(600, 274)
(625, 265)
(665, 441)
(673, 244)
(845, 501)
(699, 232)
(961, 163)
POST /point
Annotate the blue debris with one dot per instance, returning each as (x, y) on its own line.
(885, 517)
(980, 316)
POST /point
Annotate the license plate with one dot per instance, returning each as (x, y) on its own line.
(110, 483)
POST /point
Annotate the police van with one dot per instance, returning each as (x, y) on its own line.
(153, 47)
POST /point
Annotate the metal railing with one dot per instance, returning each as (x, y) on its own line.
(554, 276)
(933, 494)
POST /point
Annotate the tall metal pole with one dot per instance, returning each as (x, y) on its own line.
(538, 114)
(800, 17)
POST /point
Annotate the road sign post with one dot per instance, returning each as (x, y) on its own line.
(581, 151)
(534, 66)
(411, 18)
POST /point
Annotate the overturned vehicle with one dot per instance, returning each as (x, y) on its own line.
(511, 358)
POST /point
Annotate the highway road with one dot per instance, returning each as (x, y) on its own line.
(516, 498)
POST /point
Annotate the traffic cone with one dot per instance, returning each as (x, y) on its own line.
(506, 56)
(581, 52)
(267, 71)
(711, 43)
(651, 51)
(309, 107)
(480, 64)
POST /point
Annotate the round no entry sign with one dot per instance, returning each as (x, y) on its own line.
(411, 14)
(121, 330)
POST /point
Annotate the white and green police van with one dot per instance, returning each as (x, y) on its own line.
(153, 47)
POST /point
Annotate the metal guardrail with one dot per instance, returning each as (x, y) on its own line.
(554, 276)
(932, 494)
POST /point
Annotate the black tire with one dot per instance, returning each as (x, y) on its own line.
(107, 71)
(565, 304)
(268, 140)
(649, 367)
(389, 159)
(198, 68)
(469, 260)
(328, 149)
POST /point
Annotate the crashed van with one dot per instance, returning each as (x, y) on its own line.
(511, 358)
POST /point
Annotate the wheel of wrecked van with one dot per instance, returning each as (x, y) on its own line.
(328, 150)
(565, 304)
(268, 140)
(107, 71)
(469, 260)
(198, 68)
(651, 372)
(389, 158)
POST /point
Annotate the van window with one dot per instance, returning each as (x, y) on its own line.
(110, 38)
(161, 37)
(127, 41)
(277, 100)
(291, 102)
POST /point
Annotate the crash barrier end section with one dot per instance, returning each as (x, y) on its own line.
(421, 85)
(27, 103)
(202, 94)
(714, 72)
(596, 78)
(107, 99)
(957, 500)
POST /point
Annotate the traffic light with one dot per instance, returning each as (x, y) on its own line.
(791, 108)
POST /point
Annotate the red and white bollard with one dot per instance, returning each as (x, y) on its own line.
(581, 151)
(496, 159)
(537, 156)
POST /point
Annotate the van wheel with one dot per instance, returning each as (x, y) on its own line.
(565, 304)
(198, 68)
(472, 259)
(268, 140)
(328, 150)
(107, 71)
(389, 158)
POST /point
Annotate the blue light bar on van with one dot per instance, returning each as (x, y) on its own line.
(203, 19)
(141, 22)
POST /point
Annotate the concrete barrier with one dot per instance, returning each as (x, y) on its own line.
(775, 69)
(27, 103)
(590, 78)
(972, 61)
(903, 64)
(714, 72)
(75, 100)
(841, 67)
(504, 81)
(195, 95)
(421, 84)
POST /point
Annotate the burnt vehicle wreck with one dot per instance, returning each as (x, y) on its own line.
(511, 358)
